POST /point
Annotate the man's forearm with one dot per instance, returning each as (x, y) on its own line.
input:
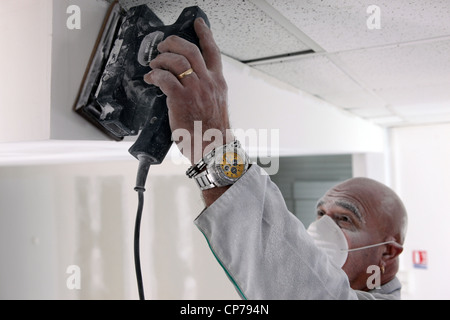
(211, 195)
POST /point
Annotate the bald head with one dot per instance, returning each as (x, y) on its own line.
(380, 204)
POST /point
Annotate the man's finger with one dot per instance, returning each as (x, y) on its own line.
(174, 63)
(210, 50)
(190, 51)
(170, 61)
(165, 80)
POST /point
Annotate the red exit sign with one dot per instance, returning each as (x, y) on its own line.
(420, 259)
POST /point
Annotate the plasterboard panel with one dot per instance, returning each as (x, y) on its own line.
(315, 74)
(427, 99)
(356, 100)
(428, 118)
(319, 76)
(372, 112)
(405, 76)
(388, 120)
(241, 30)
(423, 109)
(342, 25)
(408, 66)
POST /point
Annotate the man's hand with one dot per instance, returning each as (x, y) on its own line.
(200, 96)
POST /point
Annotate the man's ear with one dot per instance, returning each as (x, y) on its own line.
(392, 251)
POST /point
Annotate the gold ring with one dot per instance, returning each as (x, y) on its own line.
(186, 73)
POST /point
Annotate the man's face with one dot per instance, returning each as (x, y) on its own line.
(356, 214)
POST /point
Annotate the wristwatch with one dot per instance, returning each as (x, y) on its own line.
(224, 166)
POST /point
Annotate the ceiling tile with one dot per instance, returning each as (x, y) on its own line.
(372, 112)
(419, 97)
(241, 30)
(319, 76)
(406, 66)
(315, 74)
(428, 118)
(388, 120)
(342, 25)
(409, 77)
(413, 110)
(360, 99)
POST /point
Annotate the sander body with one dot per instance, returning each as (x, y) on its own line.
(114, 96)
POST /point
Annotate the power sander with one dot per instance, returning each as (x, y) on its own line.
(114, 97)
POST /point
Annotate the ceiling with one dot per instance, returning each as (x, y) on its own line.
(394, 75)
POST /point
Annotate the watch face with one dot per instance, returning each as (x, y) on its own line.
(232, 165)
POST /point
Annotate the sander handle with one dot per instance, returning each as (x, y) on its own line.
(155, 138)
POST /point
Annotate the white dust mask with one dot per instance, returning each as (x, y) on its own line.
(328, 236)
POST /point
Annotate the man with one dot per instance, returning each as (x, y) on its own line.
(266, 251)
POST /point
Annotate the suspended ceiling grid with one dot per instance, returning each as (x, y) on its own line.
(394, 76)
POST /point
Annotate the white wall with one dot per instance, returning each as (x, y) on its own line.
(421, 176)
(25, 64)
(55, 216)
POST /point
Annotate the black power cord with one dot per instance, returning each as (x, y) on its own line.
(137, 259)
(144, 166)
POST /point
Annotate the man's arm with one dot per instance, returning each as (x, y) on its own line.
(201, 96)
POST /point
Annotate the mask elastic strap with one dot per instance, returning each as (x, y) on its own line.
(374, 245)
